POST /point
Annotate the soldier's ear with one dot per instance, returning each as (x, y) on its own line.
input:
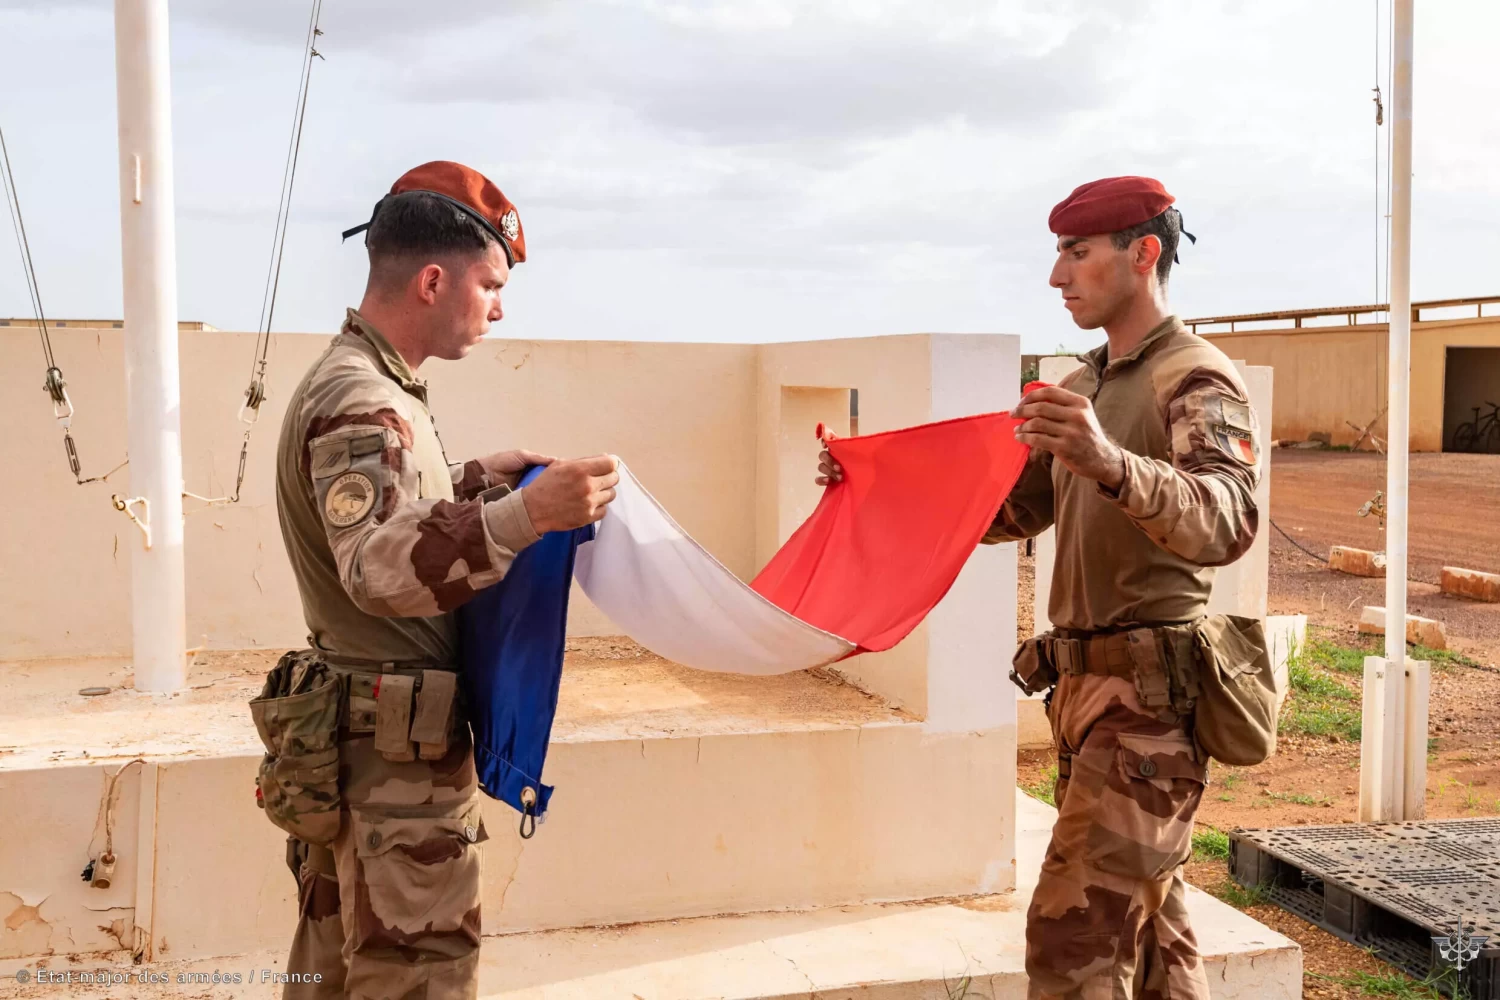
(1147, 253)
(428, 281)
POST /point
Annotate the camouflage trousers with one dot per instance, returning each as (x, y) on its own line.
(390, 909)
(1109, 917)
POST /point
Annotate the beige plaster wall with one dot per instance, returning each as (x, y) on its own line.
(722, 434)
(680, 414)
(1327, 375)
(640, 830)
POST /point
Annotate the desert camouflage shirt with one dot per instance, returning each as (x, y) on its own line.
(1147, 555)
(384, 536)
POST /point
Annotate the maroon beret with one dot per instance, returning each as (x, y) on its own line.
(1108, 206)
(469, 191)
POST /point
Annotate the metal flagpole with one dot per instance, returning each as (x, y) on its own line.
(1399, 367)
(149, 259)
(1393, 751)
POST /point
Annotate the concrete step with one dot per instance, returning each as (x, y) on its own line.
(680, 794)
(869, 952)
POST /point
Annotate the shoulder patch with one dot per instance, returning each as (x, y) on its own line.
(329, 459)
(366, 445)
(1231, 426)
(349, 499)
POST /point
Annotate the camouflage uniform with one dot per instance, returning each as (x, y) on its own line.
(1109, 917)
(385, 538)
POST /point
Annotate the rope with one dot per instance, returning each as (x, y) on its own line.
(289, 175)
(1298, 544)
(55, 385)
(18, 225)
(255, 392)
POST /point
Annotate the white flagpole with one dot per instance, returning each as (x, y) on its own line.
(149, 259)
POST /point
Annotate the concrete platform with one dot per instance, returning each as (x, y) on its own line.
(679, 794)
(870, 952)
(611, 689)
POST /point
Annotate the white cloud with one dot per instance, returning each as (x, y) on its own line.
(772, 169)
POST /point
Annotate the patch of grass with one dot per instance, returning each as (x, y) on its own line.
(1384, 984)
(1471, 799)
(1210, 844)
(1042, 790)
(1320, 719)
(1230, 780)
(1319, 704)
(1298, 798)
(1226, 797)
(962, 989)
(1332, 656)
(1241, 897)
(1309, 680)
(1436, 656)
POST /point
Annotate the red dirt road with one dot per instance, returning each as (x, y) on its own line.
(1454, 521)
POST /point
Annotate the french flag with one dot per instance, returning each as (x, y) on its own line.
(878, 553)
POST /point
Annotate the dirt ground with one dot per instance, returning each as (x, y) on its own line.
(1315, 497)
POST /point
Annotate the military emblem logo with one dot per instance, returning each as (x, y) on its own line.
(510, 225)
(350, 498)
(1234, 431)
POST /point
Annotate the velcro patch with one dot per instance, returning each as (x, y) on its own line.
(329, 459)
(1232, 429)
(367, 445)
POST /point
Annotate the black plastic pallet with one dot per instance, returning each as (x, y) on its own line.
(1388, 887)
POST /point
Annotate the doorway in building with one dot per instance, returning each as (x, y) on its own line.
(1471, 400)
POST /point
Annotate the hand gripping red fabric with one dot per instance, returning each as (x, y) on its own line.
(886, 543)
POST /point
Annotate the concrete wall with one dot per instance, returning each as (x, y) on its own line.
(1329, 374)
(680, 414)
(1050, 369)
(647, 830)
(951, 669)
(1243, 587)
(722, 434)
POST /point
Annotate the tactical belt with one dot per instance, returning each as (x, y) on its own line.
(1160, 658)
(401, 703)
(1099, 654)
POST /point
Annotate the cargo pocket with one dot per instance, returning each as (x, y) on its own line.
(1143, 825)
(298, 780)
(418, 885)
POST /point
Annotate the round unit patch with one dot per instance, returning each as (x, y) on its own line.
(349, 499)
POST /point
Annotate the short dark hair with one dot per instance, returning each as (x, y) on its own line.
(1166, 227)
(415, 225)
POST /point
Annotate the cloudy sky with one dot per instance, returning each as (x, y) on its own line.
(766, 170)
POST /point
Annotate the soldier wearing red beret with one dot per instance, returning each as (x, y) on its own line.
(370, 766)
(1146, 461)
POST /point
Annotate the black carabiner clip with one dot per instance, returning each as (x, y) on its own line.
(528, 811)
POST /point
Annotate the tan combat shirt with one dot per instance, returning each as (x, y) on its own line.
(384, 536)
(1147, 555)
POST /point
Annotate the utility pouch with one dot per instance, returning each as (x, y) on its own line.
(1032, 669)
(1236, 712)
(393, 717)
(297, 717)
(434, 718)
(1153, 682)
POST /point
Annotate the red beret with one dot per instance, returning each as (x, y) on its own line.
(469, 191)
(1108, 206)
